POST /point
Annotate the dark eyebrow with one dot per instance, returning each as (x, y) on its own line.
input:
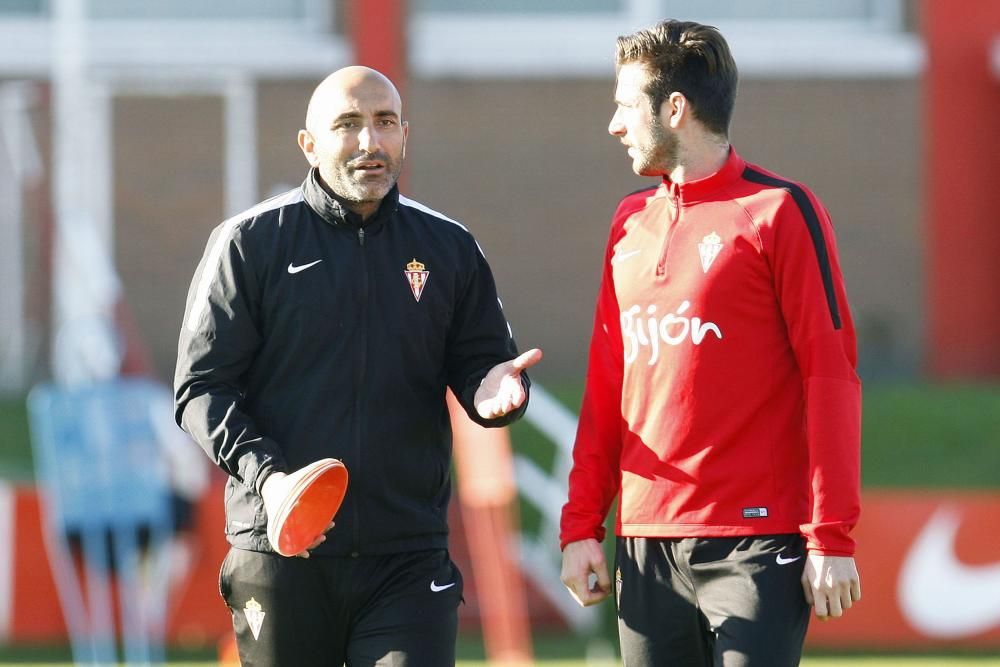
(349, 115)
(354, 115)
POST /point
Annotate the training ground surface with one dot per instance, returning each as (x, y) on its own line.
(552, 651)
(827, 661)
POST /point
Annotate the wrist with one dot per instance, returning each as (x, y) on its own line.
(269, 481)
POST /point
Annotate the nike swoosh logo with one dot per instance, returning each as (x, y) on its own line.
(785, 561)
(938, 594)
(437, 589)
(622, 256)
(295, 269)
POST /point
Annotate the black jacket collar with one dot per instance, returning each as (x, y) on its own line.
(333, 210)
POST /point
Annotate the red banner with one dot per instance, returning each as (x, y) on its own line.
(930, 573)
(197, 614)
(929, 563)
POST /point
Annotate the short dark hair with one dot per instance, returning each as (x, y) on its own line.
(688, 58)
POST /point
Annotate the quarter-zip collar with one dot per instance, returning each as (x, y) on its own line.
(333, 210)
(710, 186)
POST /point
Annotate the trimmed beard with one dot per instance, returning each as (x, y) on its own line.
(353, 191)
(661, 156)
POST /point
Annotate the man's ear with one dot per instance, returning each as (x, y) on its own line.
(308, 146)
(674, 110)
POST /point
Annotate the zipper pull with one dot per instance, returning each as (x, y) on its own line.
(675, 215)
(361, 235)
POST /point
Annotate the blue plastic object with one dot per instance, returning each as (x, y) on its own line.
(104, 481)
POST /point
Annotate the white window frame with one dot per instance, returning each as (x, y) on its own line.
(290, 48)
(543, 45)
(318, 14)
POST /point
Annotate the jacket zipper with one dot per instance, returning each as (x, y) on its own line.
(661, 265)
(359, 385)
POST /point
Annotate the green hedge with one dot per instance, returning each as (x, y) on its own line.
(922, 435)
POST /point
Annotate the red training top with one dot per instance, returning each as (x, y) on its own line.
(721, 395)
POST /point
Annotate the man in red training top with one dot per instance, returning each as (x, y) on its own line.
(722, 401)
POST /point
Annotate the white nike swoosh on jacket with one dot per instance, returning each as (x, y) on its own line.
(295, 269)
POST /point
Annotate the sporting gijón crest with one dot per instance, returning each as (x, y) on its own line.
(417, 275)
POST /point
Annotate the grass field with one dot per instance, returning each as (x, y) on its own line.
(46, 657)
(825, 661)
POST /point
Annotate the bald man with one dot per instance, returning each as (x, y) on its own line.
(328, 322)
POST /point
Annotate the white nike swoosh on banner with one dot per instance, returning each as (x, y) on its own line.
(786, 561)
(437, 589)
(295, 269)
(622, 256)
(938, 594)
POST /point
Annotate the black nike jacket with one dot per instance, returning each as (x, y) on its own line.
(308, 336)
